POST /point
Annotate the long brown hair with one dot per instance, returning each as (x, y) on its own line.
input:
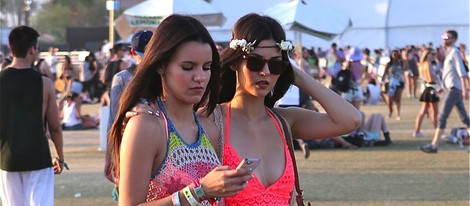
(147, 83)
(253, 27)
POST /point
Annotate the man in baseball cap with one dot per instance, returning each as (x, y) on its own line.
(139, 41)
(122, 79)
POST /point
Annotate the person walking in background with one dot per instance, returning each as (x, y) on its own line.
(42, 67)
(168, 158)
(316, 71)
(91, 78)
(429, 98)
(394, 71)
(355, 94)
(116, 65)
(454, 84)
(411, 72)
(52, 60)
(334, 61)
(122, 78)
(27, 108)
(463, 50)
(67, 67)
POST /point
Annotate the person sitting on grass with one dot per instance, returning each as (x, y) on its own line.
(71, 114)
(373, 127)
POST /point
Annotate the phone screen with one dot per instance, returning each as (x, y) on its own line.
(250, 163)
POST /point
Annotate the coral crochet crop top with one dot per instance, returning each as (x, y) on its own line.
(279, 193)
(183, 163)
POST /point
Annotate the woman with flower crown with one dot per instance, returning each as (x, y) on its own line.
(256, 73)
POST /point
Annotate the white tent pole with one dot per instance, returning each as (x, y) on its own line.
(387, 18)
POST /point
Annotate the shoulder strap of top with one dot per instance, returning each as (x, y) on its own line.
(288, 135)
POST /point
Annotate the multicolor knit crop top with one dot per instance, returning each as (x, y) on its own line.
(183, 162)
(279, 193)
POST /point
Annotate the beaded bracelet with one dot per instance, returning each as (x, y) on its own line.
(189, 196)
(175, 198)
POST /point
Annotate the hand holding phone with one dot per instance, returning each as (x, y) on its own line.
(249, 163)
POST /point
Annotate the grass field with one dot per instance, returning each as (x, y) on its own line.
(396, 175)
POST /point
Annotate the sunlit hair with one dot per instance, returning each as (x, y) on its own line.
(253, 28)
(21, 39)
(425, 55)
(425, 65)
(147, 82)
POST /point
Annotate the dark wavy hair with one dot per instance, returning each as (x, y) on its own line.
(147, 83)
(253, 27)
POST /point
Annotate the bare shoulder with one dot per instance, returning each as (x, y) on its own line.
(149, 128)
(48, 87)
(46, 82)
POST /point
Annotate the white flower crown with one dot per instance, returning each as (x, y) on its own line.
(250, 46)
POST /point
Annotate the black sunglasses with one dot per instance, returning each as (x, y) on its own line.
(256, 64)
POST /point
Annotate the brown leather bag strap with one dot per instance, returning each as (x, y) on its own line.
(288, 135)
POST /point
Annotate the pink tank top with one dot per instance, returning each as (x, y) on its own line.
(279, 193)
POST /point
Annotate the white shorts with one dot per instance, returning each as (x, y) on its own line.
(354, 94)
(27, 188)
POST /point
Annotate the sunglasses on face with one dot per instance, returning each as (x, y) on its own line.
(256, 64)
(445, 37)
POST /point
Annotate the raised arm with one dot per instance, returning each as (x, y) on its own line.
(341, 117)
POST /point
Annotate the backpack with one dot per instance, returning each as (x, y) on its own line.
(343, 80)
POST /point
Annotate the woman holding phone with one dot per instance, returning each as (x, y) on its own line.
(168, 158)
(255, 74)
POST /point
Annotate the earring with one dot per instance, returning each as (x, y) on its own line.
(160, 71)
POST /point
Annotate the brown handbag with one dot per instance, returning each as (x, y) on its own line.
(288, 135)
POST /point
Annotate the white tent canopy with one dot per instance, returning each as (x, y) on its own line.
(149, 14)
(386, 23)
(375, 23)
(309, 18)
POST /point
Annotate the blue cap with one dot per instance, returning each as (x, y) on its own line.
(140, 40)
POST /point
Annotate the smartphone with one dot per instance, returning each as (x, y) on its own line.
(250, 163)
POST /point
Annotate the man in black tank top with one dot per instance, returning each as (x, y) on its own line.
(27, 108)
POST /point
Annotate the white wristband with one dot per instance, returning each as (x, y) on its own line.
(189, 196)
(175, 198)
